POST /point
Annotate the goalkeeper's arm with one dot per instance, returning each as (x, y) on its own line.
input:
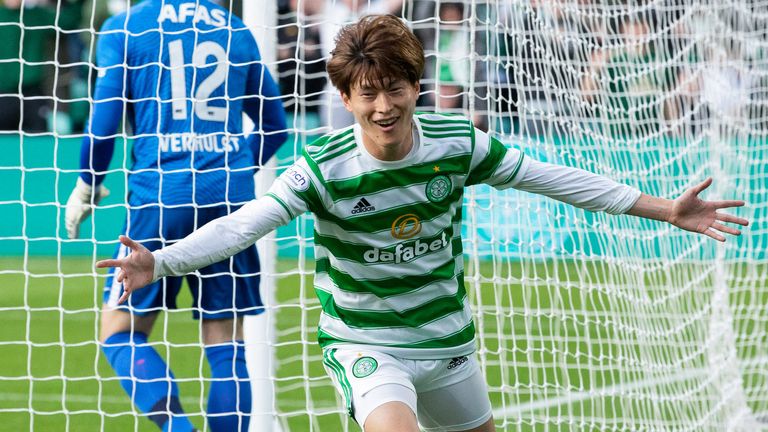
(95, 153)
(215, 241)
(265, 109)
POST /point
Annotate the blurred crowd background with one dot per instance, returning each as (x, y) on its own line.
(534, 67)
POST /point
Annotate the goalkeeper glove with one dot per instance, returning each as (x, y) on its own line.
(79, 205)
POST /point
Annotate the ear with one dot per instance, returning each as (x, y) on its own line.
(347, 102)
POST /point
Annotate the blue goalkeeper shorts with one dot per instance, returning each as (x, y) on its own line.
(221, 290)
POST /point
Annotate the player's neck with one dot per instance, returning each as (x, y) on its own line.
(389, 152)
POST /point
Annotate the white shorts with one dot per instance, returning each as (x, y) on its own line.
(445, 394)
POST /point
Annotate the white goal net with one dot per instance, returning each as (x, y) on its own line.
(585, 321)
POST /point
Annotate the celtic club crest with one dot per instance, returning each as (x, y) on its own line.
(364, 366)
(439, 188)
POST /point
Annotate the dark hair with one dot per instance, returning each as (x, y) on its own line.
(376, 49)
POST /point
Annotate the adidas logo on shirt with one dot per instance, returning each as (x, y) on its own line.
(363, 206)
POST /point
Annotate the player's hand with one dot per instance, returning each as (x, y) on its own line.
(691, 213)
(79, 205)
(134, 271)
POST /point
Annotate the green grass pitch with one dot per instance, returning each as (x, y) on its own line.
(553, 352)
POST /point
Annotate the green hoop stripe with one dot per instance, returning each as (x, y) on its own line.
(341, 376)
(279, 201)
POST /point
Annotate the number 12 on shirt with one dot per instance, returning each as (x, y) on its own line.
(205, 88)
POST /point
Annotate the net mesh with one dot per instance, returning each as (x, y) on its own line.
(585, 321)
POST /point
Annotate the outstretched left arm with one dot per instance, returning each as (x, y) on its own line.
(691, 213)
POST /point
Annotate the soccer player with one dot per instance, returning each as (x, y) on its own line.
(396, 327)
(183, 73)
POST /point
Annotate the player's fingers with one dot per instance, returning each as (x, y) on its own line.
(103, 193)
(701, 186)
(712, 233)
(72, 231)
(726, 229)
(130, 242)
(728, 203)
(121, 276)
(72, 224)
(724, 217)
(109, 263)
(124, 297)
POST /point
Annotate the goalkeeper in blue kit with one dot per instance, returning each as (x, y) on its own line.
(182, 73)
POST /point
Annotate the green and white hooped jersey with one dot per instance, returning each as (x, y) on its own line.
(389, 265)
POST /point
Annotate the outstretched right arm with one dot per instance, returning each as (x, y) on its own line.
(215, 241)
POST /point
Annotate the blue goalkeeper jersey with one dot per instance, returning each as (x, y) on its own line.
(184, 72)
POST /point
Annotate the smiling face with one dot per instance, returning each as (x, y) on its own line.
(376, 65)
(384, 113)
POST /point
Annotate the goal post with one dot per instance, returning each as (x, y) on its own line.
(260, 329)
(584, 321)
